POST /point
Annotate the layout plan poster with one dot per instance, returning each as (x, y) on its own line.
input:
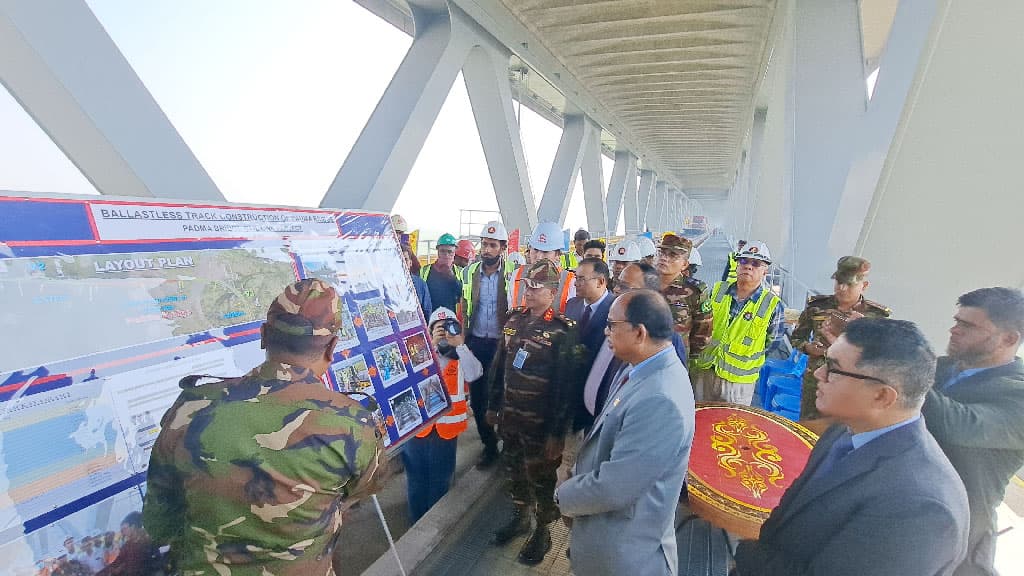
(107, 304)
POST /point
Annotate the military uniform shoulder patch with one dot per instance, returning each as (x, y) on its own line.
(518, 310)
(569, 322)
(705, 306)
(872, 304)
(817, 299)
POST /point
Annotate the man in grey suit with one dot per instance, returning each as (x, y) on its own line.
(623, 494)
(877, 496)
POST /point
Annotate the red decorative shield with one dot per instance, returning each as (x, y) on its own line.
(742, 461)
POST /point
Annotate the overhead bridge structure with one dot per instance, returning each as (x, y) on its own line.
(755, 113)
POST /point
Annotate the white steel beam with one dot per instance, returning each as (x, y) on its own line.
(382, 157)
(490, 95)
(622, 186)
(59, 63)
(593, 181)
(566, 165)
(643, 195)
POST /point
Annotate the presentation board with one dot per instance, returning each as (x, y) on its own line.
(107, 304)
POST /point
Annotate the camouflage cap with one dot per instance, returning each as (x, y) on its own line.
(542, 273)
(676, 243)
(307, 308)
(851, 270)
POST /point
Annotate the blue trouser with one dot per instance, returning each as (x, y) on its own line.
(429, 467)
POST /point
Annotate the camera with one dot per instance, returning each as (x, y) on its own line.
(451, 327)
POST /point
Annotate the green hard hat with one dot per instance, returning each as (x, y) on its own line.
(446, 240)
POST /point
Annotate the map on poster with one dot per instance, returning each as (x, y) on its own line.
(109, 303)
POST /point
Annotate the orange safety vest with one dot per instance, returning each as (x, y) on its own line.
(566, 278)
(455, 421)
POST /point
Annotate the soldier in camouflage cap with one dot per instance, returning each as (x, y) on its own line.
(687, 296)
(250, 475)
(532, 378)
(824, 319)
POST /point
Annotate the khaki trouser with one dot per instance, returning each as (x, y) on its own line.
(708, 386)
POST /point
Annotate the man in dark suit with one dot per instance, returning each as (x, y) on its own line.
(976, 410)
(878, 496)
(589, 308)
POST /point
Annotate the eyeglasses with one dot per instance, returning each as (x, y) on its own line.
(829, 371)
(612, 323)
(751, 262)
(671, 254)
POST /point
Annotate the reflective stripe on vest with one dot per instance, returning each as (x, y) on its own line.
(732, 268)
(566, 279)
(425, 272)
(737, 348)
(467, 287)
(455, 421)
(570, 260)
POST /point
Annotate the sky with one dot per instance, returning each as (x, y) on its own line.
(270, 96)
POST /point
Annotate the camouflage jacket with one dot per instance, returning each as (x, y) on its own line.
(691, 311)
(535, 373)
(251, 475)
(817, 312)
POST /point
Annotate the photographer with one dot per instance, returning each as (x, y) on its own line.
(430, 456)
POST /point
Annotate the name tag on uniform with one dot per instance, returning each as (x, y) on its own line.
(520, 359)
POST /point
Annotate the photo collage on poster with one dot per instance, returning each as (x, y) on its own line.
(383, 352)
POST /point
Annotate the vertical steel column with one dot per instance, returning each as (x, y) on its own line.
(643, 195)
(562, 179)
(622, 187)
(490, 94)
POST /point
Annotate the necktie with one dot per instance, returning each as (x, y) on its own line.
(586, 318)
(840, 448)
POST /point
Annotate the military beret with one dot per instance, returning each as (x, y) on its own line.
(309, 307)
(542, 273)
(851, 270)
(675, 242)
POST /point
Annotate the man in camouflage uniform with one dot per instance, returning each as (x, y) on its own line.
(687, 296)
(533, 377)
(250, 476)
(824, 319)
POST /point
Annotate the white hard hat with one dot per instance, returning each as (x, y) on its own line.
(756, 250)
(547, 236)
(441, 313)
(399, 224)
(646, 246)
(495, 231)
(517, 258)
(695, 257)
(625, 251)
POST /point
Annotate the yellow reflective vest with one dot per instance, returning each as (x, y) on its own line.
(738, 346)
(467, 288)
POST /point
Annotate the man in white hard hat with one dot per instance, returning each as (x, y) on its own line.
(621, 255)
(695, 262)
(485, 307)
(545, 244)
(747, 320)
(647, 249)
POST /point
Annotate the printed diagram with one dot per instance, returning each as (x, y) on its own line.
(406, 412)
(353, 375)
(433, 395)
(374, 315)
(359, 268)
(419, 351)
(390, 365)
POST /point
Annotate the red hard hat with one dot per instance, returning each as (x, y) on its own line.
(465, 249)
